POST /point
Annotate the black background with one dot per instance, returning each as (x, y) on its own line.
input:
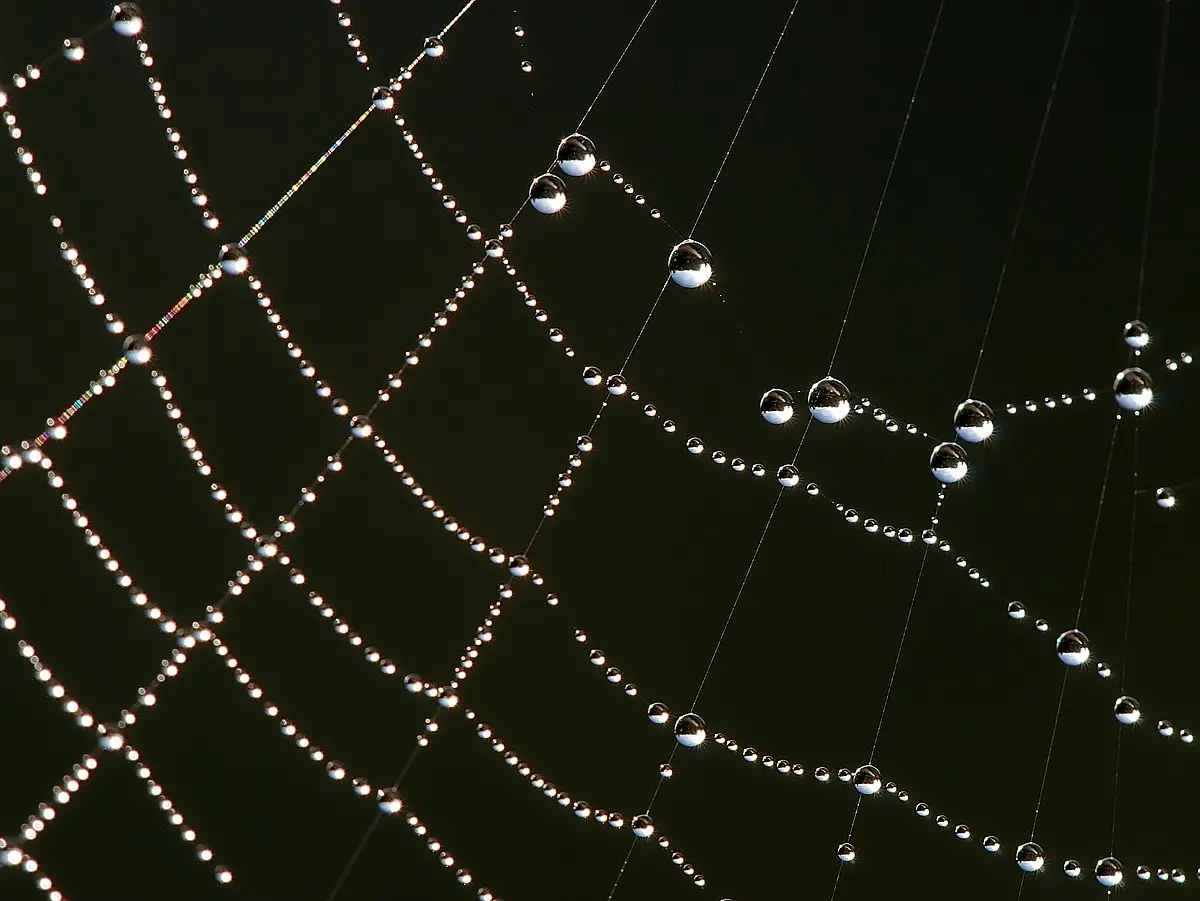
(650, 544)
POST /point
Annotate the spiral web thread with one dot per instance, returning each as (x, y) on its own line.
(115, 734)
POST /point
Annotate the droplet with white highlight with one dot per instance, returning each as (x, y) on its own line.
(1134, 389)
(1137, 335)
(1073, 648)
(233, 260)
(690, 264)
(1030, 857)
(776, 406)
(576, 155)
(690, 730)
(548, 194)
(127, 19)
(829, 401)
(948, 463)
(973, 421)
(1127, 710)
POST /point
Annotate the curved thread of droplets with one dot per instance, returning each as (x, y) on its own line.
(191, 445)
(377, 404)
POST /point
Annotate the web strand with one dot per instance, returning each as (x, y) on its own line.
(1158, 102)
(745, 115)
(303, 179)
(720, 168)
(1125, 640)
(887, 695)
(616, 65)
(1129, 571)
(458, 15)
(862, 263)
(1087, 569)
(1086, 572)
(645, 325)
(1016, 227)
(745, 579)
(1037, 807)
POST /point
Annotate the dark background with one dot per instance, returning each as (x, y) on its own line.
(651, 543)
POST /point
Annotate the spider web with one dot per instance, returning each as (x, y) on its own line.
(270, 548)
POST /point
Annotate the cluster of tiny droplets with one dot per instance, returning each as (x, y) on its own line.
(526, 65)
(1127, 710)
(867, 780)
(495, 250)
(642, 826)
(138, 354)
(360, 427)
(87, 281)
(113, 738)
(388, 800)
(395, 380)
(265, 546)
(494, 246)
(353, 41)
(175, 140)
(136, 350)
(627, 188)
(336, 770)
(127, 21)
(24, 156)
(56, 426)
